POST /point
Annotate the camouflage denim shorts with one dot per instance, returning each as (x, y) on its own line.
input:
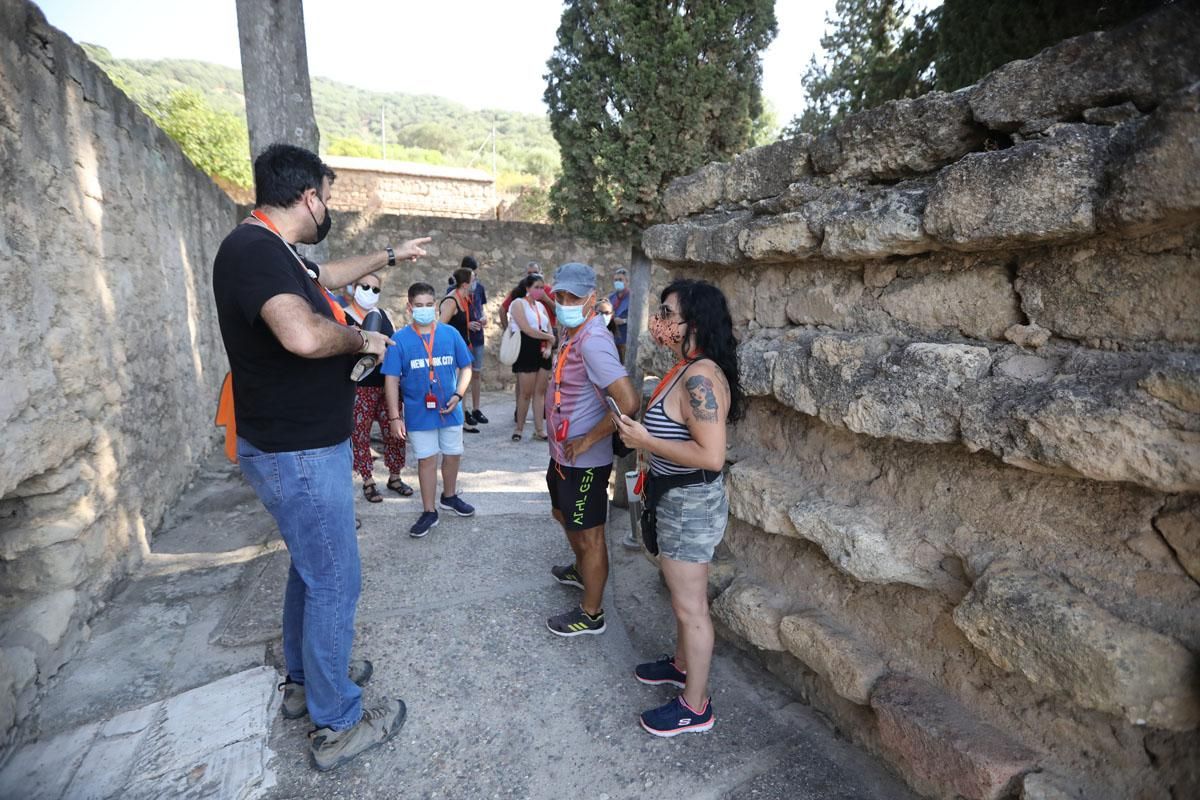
(691, 521)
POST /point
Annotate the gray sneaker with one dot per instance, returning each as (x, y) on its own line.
(333, 748)
(295, 704)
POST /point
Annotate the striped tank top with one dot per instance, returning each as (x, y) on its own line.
(663, 427)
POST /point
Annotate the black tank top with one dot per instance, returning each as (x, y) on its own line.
(459, 320)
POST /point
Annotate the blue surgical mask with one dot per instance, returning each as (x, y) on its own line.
(424, 315)
(570, 316)
(619, 285)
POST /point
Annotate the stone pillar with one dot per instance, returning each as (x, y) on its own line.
(275, 80)
(639, 314)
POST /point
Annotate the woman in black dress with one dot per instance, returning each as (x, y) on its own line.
(532, 367)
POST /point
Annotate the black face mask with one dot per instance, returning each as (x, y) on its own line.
(323, 226)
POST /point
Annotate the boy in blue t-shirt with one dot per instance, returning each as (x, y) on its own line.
(430, 366)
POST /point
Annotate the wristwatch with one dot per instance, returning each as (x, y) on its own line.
(459, 396)
(391, 256)
(362, 336)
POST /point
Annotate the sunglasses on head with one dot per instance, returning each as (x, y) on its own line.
(374, 289)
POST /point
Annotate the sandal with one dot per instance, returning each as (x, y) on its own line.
(541, 437)
(516, 437)
(399, 487)
(372, 493)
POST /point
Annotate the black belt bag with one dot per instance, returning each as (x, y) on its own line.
(654, 487)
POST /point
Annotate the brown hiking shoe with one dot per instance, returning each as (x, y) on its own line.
(295, 702)
(333, 748)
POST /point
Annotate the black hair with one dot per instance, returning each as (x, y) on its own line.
(523, 286)
(469, 262)
(420, 288)
(710, 329)
(283, 172)
(462, 277)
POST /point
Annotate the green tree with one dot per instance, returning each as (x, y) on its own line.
(872, 55)
(217, 142)
(641, 93)
(877, 50)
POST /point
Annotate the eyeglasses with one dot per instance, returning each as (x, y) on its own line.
(665, 311)
(374, 289)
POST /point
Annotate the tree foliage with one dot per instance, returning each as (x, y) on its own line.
(217, 142)
(880, 50)
(420, 128)
(641, 93)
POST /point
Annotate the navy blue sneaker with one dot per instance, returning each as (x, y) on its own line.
(427, 520)
(457, 505)
(656, 673)
(677, 717)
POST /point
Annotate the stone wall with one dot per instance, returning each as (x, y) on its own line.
(398, 187)
(107, 237)
(502, 249)
(966, 519)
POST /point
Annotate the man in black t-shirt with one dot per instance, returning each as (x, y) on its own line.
(290, 355)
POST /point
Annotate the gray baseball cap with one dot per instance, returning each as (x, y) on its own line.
(575, 278)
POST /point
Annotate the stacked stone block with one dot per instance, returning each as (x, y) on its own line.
(966, 496)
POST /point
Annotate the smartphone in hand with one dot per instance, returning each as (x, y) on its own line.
(613, 407)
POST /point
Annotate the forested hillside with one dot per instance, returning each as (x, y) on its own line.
(204, 101)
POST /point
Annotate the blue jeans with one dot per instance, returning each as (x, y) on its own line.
(310, 493)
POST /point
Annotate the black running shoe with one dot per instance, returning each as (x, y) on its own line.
(468, 417)
(427, 520)
(480, 419)
(656, 673)
(576, 622)
(567, 576)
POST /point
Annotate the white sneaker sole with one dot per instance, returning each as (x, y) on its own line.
(663, 682)
(668, 734)
(455, 510)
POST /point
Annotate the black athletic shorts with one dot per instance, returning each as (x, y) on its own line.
(580, 493)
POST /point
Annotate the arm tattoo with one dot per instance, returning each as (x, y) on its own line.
(703, 399)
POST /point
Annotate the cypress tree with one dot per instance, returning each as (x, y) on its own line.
(640, 93)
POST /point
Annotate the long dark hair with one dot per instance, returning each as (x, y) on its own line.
(522, 288)
(710, 329)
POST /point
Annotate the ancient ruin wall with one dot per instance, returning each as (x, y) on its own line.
(112, 355)
(965, 509)
(503, 248)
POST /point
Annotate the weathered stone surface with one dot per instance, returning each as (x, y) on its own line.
(666, 242)
(885, 223)
(977, 303)
(866, 542)
(1058, 638)
(1181, 530)
(1046, 786)
(753, 613)
(938, 740)
(1095, 69)
(1033, 336)
(1084, 415)
(1043, 190)
(779, 238)
(700, 191)
(768, 170)
(1158, 183)
(850, 665)
(1144, 290)
(1111, 115)
(898, 139)
(823, 297)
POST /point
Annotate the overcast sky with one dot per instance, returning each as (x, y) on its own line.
(482, 53)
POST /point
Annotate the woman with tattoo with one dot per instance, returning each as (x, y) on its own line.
(683, 434)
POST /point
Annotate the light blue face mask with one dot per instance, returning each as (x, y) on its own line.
(424, 315)
(570, 316)
(619, 285)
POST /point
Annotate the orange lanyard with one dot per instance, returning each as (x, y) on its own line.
(265, 221)
(466, 309)
(665, 381)
(561, 362)
(428, 350)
